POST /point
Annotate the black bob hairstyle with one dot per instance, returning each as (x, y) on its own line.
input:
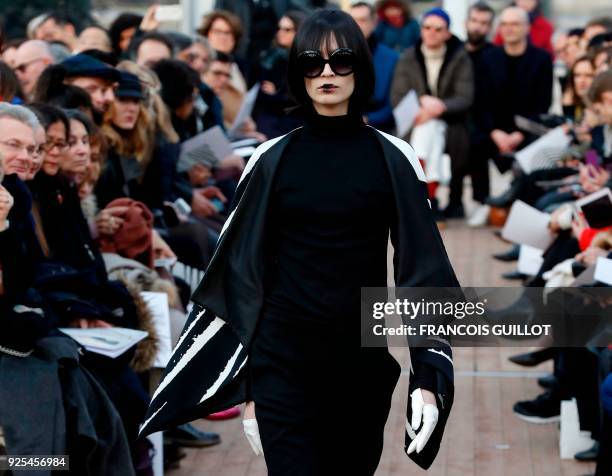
(317, 33)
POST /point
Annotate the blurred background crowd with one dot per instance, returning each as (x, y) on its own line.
(99, 197)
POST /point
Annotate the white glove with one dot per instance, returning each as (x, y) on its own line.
(429, 414)
(251, 430)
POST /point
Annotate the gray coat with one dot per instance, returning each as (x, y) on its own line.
(455, 88)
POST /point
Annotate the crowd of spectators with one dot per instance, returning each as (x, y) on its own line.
(97, 195)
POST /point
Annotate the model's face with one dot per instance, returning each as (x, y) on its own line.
(329, 92)
(125, 113)
(583, 77)
(55, 148)
(478, 25)
(76, 160)
(434, 32)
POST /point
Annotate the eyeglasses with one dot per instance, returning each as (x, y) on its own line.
(18, 146)
(437, 29)
(217, 31)
(312, 64)
(510, 23)
(24, 66)
(286, 29)
(50, 145)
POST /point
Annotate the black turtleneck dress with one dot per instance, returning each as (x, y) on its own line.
(327, 229)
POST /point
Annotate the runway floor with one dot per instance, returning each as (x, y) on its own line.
(483, 437)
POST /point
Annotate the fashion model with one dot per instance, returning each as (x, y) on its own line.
(276, 320)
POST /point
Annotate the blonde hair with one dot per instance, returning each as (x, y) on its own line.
(138, 142)
(158, 111)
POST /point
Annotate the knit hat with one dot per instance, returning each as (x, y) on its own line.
(439, 12)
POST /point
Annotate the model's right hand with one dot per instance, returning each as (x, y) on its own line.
(251, 430)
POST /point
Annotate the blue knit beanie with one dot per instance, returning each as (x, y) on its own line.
(439, 12)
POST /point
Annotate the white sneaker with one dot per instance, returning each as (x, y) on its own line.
(480, 217)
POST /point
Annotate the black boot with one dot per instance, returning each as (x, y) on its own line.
(511, 255)
(454, 210)
(438, 216)
(505, 199)
(588, 455)
(531, 359)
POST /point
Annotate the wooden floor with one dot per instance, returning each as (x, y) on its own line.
(482, 437)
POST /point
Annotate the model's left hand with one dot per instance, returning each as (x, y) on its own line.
(423, 408)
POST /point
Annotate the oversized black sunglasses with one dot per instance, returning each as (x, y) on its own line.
(312, 64)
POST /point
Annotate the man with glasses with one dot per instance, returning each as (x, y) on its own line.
(219, 73)
(17, 141)
(440, 71)
(31, 58)
(519, 79)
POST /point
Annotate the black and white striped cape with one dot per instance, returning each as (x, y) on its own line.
(206, 372)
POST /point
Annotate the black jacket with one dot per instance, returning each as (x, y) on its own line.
(50, 404)
(207, 370)
(534, 87)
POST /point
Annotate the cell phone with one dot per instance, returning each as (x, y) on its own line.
(168, 13)
(591, 157)
(218, 204)
(597, 208)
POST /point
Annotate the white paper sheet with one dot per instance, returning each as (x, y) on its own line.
(246, 108)
(603, 270)
(157, 303)
(530, 260)
(207, 148)
(108, 341)
(405, 112)
(527, 157)
(527, 226)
